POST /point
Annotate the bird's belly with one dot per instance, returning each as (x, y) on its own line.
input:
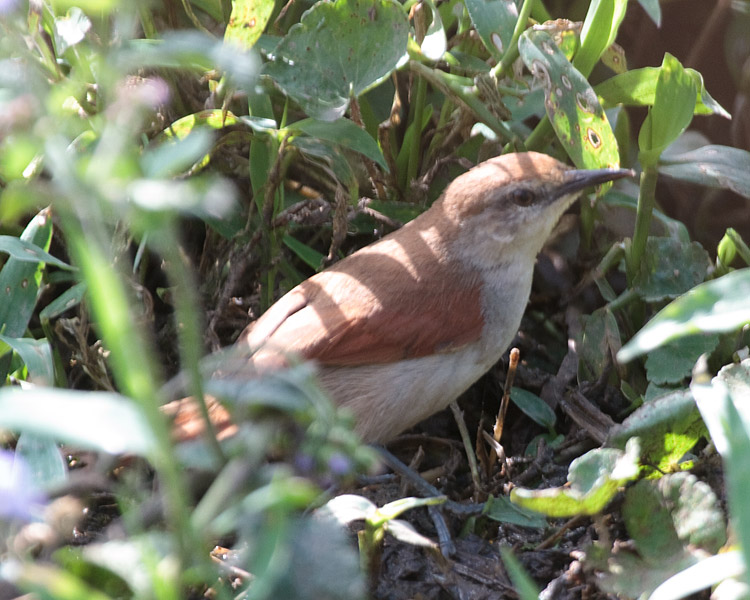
(389, 398)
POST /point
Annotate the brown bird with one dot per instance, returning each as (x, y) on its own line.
(403, 326)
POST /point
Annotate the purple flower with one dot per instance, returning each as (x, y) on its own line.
(19, 498)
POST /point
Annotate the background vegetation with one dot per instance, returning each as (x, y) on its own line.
(168, 170)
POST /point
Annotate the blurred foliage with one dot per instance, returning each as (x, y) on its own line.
(159, 159)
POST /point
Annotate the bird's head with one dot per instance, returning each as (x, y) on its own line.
(507, 206)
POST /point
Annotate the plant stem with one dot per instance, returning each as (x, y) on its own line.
(646, 201)
(511, 53)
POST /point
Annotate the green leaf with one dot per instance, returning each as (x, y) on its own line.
(494, 21)
(522, 581)
(503, 510)
(102, 421)
(711, 166)
(247, 22)
(599, 31)
(667, 428)
(65, 301)
(594, 479)
(347, 508)
(405, 532)
(533, 407)
(36, 355)
(674, 361)
(344, 133)
(26, 251)
(715, 306)
(337, 51)
(175, 156)
(600, 340)
(638, 88)
(728, 421)
(674, 104)
(310, 256)
(435, 42)
(397, 507)
(670, 268)
(649, 522)
(670, 518)
(571, 104)
(49, 581)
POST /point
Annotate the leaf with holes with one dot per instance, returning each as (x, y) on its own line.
(494, 21)
(572, 106)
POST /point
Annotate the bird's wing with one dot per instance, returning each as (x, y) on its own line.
(386, 314)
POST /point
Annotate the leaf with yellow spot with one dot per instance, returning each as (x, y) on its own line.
(247, 22)
(571, 104)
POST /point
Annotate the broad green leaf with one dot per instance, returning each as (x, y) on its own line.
(638, 88)
(715, 306)
(247, 22)
(670, 268)
(494, 21)
(533, 407)
(102, 421)
(594, 479)
(667, 427)
(571, 104)
(337, 51)
(673, 362)
(344, 133)
(711, 166)
(670, 518)
(649, 522)
(674, 104)
(503, 510)
(599, 31)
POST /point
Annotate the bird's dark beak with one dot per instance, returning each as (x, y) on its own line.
(577, 180)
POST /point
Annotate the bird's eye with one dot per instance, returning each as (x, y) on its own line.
(523, 197)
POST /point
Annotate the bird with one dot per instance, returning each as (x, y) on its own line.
(405, 325)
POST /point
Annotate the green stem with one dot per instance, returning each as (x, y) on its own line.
(465, 95)
(511, 53)
(646, 201)
(414, 154)
(187, 316)
(132, 364)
